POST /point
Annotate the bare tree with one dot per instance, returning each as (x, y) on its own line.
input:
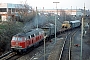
(65, 16)
(25, 12)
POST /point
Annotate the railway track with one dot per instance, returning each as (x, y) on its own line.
(65, 53)
(8, 55)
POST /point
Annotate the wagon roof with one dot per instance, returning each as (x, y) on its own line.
(75, 21)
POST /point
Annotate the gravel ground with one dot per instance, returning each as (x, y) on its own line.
(54, 55)
(76, 50)
(86, 46)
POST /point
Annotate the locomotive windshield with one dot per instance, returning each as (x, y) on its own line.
(17, 38)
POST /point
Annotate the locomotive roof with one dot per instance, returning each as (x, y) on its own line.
(75, 21)
(29, 33)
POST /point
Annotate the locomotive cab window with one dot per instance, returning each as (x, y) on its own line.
(29, 37)
(32, 35)
(19, 38)
(14, 38)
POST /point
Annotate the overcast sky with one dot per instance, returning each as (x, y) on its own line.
(48, 4)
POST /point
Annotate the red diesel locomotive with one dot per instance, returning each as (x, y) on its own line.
(21, 41)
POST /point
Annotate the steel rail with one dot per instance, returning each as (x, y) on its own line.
(7, 55)
(70, 42)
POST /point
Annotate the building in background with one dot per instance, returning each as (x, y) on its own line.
(9, 11)
(74, 12)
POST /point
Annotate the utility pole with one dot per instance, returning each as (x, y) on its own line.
(82, 30)
(81, 38)
(84, 21)
(44, 46)
(71, 10)
(84, 10)
(55, 19)
(37, 17)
